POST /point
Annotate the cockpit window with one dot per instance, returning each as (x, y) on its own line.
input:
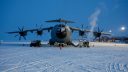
(61, 29)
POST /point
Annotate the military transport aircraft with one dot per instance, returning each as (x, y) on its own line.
(60, 33)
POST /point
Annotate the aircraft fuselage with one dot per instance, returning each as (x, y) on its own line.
(61, 34)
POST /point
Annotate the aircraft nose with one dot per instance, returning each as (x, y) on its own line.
(61, 33)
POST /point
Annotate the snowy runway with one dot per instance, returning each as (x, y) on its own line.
(52, 59)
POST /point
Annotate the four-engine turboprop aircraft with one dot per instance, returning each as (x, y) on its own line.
(60, 33)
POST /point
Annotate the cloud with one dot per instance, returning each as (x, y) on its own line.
(94, 17)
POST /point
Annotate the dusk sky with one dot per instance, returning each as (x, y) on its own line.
(107, 14)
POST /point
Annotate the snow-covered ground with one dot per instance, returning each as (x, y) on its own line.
(103, 57)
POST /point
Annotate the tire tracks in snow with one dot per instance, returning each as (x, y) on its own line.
(59, 67)
(26, 65)
(117, 67)
(20, 54)
(45, 65)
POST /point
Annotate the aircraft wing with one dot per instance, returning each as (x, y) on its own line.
(78, 29)
(74, 29)
(30, 30)
(13, 32)
(105, 33)
(41, 29)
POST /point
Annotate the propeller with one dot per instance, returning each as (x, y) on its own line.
(81, 32)
(39, 31)
(21, 33)
(98, 33)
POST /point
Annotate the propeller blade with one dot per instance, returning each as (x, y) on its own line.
(19, 29)
(98, 29)
(16, 35)
(95, 38)
(36, 25)
(102, 30)
(22, 28)
(82, 26)
(20, 38)
(24, 37)
(48, 30)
